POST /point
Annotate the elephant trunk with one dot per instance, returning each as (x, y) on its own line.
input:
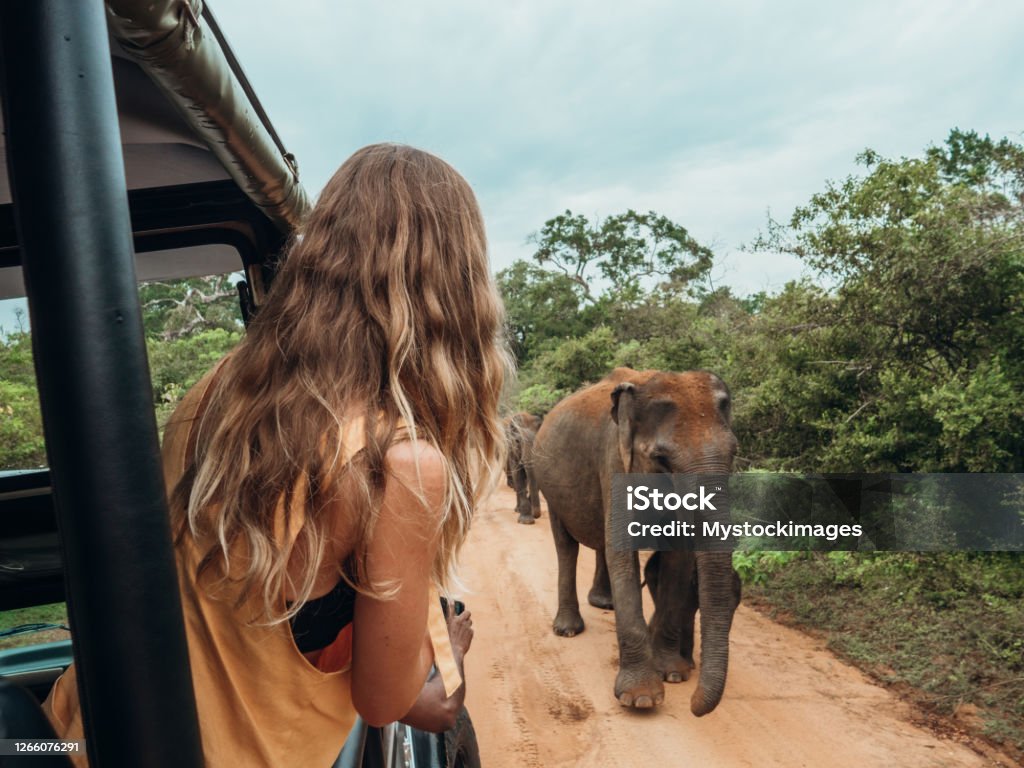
(717, 600)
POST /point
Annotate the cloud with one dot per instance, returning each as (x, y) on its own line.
(710, 114)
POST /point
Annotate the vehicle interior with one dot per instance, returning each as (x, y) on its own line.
(138, 167)
(210, 191)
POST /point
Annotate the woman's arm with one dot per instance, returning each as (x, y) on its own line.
(435, 711)
(391, 654)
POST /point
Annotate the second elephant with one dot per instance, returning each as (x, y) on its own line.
(520, 432)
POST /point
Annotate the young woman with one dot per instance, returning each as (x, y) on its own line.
(322, 476)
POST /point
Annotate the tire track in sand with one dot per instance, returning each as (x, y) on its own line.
(525, 672)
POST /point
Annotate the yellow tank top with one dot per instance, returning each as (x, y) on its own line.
(261, 703)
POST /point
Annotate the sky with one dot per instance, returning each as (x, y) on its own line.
(713, 114)
(716, 115)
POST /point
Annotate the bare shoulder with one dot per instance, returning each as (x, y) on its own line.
(418, 469)
(407, 459)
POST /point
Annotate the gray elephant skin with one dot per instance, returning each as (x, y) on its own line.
(641, 422)
(520, 432)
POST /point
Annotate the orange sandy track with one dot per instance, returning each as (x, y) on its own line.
(541, 700)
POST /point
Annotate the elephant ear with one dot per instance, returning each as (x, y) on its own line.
(623, 408)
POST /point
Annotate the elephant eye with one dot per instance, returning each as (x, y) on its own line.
(661, 459)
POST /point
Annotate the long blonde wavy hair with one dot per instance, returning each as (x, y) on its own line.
(383, 315)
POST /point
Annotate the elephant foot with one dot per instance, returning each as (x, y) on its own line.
(536, 513)
(568, 623)
(673, 667)
(600, 599)
(639, 690)
(525, 520)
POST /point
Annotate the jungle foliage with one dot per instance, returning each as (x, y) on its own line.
(189, 325)
(910, 360)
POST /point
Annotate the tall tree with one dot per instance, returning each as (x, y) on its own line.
(175, 309)
(587, 275)
(926, 256)
(620, 256)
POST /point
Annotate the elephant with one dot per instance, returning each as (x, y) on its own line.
(520, 431)
(641, 422)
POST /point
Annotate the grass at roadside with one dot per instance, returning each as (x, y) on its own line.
(946, 630)
(55, 613)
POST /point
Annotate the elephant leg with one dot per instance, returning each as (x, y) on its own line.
(671, 586)
(522, 497)
(534, 492)
(638, 683)
(600, 595)
(690, 605)
(568, 621)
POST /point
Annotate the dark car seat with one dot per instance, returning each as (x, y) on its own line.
(22, 718)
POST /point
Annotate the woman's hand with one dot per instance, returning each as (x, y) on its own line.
(390, 657)
(460, 630)
(435, 711)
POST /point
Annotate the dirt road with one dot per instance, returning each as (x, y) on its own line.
(542, 700)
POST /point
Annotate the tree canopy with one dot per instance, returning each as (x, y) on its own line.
(584, 272)
(904, 355)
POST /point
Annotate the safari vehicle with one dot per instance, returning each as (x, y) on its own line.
(211, 190)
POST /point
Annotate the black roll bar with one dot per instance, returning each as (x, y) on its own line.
(67, 178)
